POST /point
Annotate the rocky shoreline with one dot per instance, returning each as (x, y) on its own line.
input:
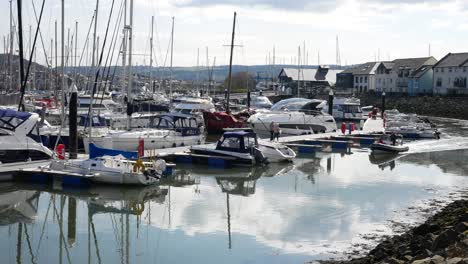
(443, 238)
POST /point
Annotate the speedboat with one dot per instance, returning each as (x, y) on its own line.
(171, 130)
(18, 146)
(296, 116)
(385, 145)
(245, 148)
(409, 125)
(113, 170)
(216, 122)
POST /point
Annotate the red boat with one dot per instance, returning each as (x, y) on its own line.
(215, 122)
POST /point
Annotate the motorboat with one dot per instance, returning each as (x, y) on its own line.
(20, 147)
(170, 130)
(347, 109)
(389, 144)
(243, 147)
(260, 102)
(296, 116)
(194, 106)
(409, 125)
(112, 170)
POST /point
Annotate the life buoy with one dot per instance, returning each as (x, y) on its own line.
(138, 208)
(139, 166)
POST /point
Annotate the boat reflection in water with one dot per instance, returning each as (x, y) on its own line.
(17, 205)
(384, 161)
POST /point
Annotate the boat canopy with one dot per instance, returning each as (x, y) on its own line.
(175, 120)
(237, 141)
(98, 121)
(11, 119)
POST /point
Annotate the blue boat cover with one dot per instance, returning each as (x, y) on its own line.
(95, 152)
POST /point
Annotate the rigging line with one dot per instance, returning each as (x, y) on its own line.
(113, 73)
(40, 35)
(28, 240)
(112, 49)
(100, 61)
(23, 85)
(43, 227)
(87, 39)
(95, 241)
(61, 230)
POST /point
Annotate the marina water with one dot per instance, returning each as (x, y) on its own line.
(321, 206)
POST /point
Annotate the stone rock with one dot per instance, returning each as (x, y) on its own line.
(422, 261)
(437, 259)
(445, 239)
(425, 229)
(461, 227)
(408, 258)
(454, 261)
(394, 261)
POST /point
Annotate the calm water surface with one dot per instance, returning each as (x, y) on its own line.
(284, 213)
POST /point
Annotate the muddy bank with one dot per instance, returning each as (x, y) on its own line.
(443, 238)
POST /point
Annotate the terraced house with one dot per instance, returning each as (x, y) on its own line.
(450, 74)
(395, 76)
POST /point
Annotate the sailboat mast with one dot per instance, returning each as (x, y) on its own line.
(130, 74)
(230, 62)
(20, 38)
(151, 55)
(172, 56)
(10, 57)
(298, 70)
(208, 72)
(93, 66)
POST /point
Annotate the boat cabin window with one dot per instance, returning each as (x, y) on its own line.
(231, 142)
(10, 119)
(250, 142)
(350, 108)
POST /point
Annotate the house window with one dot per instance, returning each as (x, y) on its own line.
(450, 69)
(391, 80)
(357, 79)
(380, 80)
(365, 79)
(441, 69)
(464, 69)
(360, 79)
(437, 69)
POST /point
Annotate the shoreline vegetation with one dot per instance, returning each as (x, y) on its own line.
(443, 238)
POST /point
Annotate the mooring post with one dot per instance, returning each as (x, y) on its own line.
(330, 102)
(73, 139)
(383, 103)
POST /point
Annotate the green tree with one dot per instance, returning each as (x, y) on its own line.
(240, 82)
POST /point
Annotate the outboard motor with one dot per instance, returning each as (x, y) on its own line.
(259, 157)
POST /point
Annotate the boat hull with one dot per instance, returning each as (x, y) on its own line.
(378, 148)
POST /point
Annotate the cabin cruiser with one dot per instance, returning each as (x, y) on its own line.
(296, 116)
(193, 106)
(113, 170)
(260, 102)
(18, 148)
(348, 109)
(170, 130)
(245, 148)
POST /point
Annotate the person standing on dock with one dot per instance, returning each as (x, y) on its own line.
(272, 133)
(276, 131)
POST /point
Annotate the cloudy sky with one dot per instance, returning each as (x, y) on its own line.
(398, 28)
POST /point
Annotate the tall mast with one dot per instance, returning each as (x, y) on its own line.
(298, 70)
(93, 66)
(208, 72)
(172, 56)
(230, 62)
(56, 65)
(130, 74)
(76, 49)
(20, 38)
(124, 48)
(63, 63)
(151, 55)
(12, 37)
(197, 86)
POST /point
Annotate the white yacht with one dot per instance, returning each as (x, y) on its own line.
(18, 149)
(295, 116)
(348, 109)
(113, 170)
(171, 130)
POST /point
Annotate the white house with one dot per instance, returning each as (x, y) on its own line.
(450, 74)
(359, 78)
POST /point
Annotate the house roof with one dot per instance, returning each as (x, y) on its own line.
(418, 73)
(453, 60)
(363, 69)
(387, 64)
(311, 75)
(412, 63)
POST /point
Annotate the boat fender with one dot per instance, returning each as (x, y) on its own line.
(159, 166)
(138, 208)
(259, 157)
(139, 166)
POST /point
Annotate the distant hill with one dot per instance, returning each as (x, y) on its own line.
(181, 73)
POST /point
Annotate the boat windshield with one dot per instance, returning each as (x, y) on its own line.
(350, 108)
(11, 119)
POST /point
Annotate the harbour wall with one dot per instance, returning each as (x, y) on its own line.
(451, 107)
